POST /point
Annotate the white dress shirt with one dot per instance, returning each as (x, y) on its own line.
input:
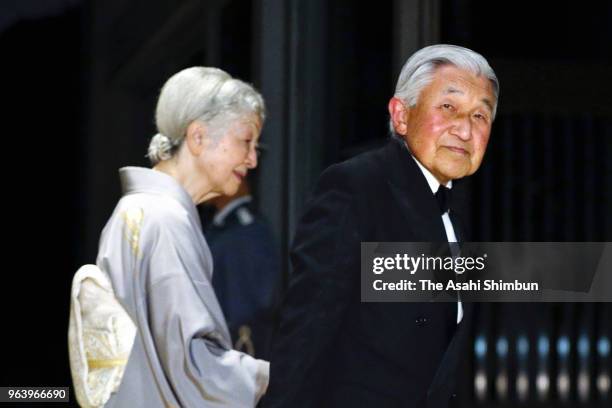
(448, 225)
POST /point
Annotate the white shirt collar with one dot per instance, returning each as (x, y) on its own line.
(220, 217)
(433, 182)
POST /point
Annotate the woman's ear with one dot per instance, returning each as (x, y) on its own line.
(399, 114)
(196, 138)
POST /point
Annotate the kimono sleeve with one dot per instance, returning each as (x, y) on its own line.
(186, 332)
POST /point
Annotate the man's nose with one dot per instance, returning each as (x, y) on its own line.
(463, 127)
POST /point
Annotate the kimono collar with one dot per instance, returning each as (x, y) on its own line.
(143, 180)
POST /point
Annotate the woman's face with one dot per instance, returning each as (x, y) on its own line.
(227, 160)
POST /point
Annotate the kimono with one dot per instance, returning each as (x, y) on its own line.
(160, 268)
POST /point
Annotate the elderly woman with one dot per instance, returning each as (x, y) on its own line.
(157, 259)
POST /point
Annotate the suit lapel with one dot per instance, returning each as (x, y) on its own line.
(411, 193)
(458, 226)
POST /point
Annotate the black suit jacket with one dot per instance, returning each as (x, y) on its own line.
(332, 350)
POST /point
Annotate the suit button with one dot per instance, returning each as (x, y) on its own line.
(421, 321)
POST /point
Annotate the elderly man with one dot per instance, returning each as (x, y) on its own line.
(331, 350)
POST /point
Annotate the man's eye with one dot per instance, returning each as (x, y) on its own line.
(480, 116)
(447, 106)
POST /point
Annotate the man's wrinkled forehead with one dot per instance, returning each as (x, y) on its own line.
(452, 89)
(458, 84)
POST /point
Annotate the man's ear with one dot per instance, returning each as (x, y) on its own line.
(195, 138)
(399, 114)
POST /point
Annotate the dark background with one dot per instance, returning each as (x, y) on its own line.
(80, 80)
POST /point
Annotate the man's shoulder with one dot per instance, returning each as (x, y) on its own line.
(359, 170)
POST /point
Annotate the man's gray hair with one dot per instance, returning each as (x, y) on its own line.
(419, 70)
(205, 94)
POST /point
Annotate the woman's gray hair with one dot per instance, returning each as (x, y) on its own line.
(205, 94)
(419, 70)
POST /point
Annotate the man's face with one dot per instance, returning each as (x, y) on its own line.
(448, 129)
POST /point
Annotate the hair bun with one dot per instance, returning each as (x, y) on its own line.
(160, 148)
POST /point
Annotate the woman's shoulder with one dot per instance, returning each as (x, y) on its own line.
(151, 212)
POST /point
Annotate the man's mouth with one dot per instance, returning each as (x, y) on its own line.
(239, 175)
(458, 150)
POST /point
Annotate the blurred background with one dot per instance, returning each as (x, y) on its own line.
(80, 79)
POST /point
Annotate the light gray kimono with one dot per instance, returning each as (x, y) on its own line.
(161, 270)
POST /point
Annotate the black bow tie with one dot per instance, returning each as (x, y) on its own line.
(443, 196)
